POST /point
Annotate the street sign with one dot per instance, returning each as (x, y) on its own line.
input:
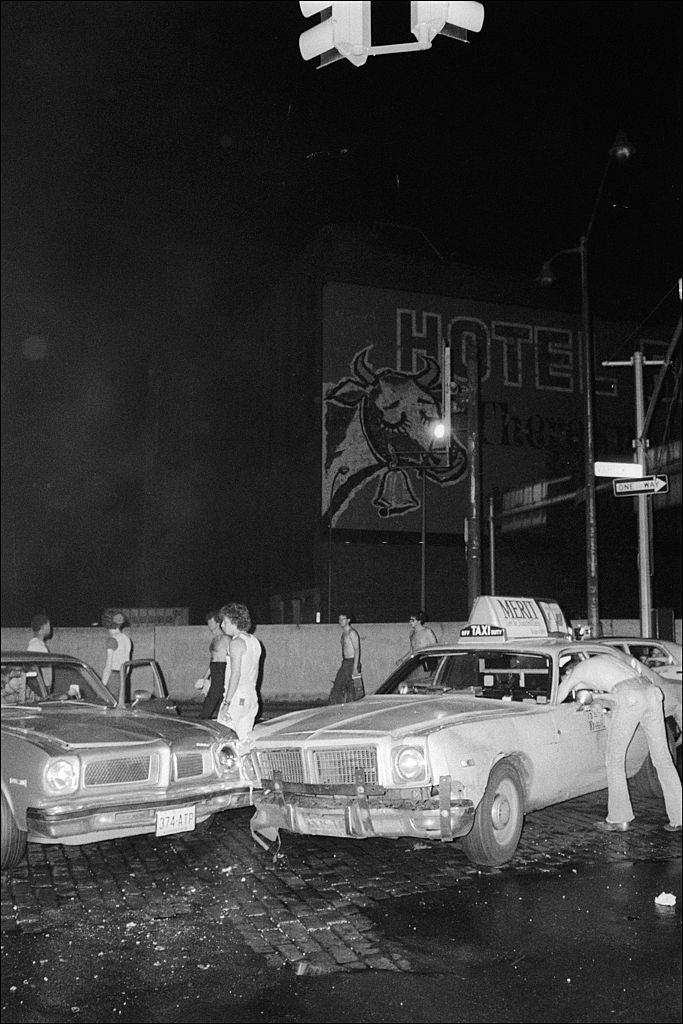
(618, 469)
(646, 485)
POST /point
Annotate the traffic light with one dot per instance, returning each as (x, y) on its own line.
(344, 31)
(345, 27)
(429, 18)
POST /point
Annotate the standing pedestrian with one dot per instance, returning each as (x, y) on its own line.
(632, 699)
(240, 702)
(41, 628)
(219, 655)
(420, 635)
(119, 648)
(348, 683)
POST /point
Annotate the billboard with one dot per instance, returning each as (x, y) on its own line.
(381, 395)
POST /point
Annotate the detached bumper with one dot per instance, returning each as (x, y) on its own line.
(360, 816)
(96, 823)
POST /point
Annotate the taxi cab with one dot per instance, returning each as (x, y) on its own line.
(458, 744)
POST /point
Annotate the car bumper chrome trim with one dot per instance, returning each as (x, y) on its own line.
(97, 823)
(359, 818)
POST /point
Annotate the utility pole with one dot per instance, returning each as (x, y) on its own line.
(473, 522)
(640, 445)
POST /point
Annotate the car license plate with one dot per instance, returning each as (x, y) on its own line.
(179, 819)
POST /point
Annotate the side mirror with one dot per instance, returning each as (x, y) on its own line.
(140, 696)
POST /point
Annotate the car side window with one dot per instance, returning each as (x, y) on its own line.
(142, 677)
(419, 672)
(514, 676)
(651, 655)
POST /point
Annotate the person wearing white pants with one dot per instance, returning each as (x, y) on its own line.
(240, 703)
(633, 700)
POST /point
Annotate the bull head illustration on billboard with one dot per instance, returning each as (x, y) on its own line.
(385, 419)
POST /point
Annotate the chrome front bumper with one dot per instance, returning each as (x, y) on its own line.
(360, 815)
(94, 824)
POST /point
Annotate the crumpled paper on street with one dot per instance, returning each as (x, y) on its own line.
(666, 899)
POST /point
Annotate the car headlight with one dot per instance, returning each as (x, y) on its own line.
(61, 776)
(410, 764)
(226, 757)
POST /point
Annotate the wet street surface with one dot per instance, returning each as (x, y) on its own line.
(209, 927)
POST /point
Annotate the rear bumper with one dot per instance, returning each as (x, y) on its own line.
(361, 817)
(93, 824)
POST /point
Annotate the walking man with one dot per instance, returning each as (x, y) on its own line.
(633, 700)
(240, 703)
(348, 683)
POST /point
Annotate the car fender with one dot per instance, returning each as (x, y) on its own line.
(471, 760)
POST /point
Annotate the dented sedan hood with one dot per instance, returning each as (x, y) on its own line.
(387, 715)
(73, 728)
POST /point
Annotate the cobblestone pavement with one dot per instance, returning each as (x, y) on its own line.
(305, 907)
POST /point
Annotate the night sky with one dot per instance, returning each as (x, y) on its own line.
(163, 162)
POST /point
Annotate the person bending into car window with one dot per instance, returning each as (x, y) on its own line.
(633, 700)
(219, 649)
(240, 702)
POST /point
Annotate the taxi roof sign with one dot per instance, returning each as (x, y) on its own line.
(517, 618)
(477, 629)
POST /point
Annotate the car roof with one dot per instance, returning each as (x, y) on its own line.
(38, 657)
(540, 643)
(634, 640)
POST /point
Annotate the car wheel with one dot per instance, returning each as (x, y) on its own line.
(498, 819)
(13, 838)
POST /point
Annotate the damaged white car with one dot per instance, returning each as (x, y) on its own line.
(459, 743)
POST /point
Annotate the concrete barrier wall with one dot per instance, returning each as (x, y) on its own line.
(300, 661)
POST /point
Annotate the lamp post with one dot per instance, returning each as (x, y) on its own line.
(621, 150)
(341, 471)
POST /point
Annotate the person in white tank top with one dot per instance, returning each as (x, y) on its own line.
(240, 703)
(119, 649)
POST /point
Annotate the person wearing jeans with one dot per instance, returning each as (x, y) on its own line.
(633, 700)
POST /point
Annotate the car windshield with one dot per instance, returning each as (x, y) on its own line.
(493, 674)
(26, 683)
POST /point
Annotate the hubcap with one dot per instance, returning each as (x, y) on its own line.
(504, 811)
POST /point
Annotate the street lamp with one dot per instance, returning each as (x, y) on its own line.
(341, 471)
(621, 150)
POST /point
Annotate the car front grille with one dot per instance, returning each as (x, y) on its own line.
(337, 766)
(189, 765)
(288, 762)
(116, 771)
(340, 766)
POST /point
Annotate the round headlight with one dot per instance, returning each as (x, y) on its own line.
(61, 776)
(226, 757)
(409, 764)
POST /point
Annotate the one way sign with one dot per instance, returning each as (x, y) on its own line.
(645, 485)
